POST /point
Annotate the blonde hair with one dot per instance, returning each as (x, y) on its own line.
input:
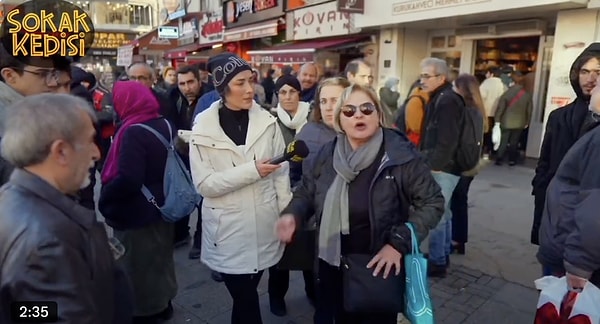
(336, 81)
(344, 97)
(166, 71)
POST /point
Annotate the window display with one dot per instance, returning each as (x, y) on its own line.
(121, 14)
(515, 53)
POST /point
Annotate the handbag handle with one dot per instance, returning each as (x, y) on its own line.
(413, 239)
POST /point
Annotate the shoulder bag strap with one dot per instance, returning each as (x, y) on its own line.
(516, 98)
(413, 239)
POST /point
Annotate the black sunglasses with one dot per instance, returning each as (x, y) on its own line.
(366, 109)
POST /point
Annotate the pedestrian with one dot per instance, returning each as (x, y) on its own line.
(53, 249)
(364, 186)
(468, 87)
(230, 145)
(136, 157)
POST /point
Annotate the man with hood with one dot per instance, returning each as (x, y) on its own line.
(22, 76)
(570, 228)
(564, 127)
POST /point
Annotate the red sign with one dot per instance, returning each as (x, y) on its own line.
(211, 28)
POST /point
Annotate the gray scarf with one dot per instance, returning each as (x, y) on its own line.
(335, 219)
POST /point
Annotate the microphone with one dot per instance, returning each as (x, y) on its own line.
(296, 151)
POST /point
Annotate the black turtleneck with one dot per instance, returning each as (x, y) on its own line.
(234, 124)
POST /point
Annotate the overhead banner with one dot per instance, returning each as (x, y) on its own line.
(211, 27)
(320, 21)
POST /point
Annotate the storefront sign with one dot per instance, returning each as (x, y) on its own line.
(421, 5)
(244, 12)
(168, 32)
(95, 52)
(351, 6)
(320, 21)
(172, 9)
(189, 32)
(125, 55)
(298, 4)
(211, 27)
(105, 40)
(288, 58)
(250, 33)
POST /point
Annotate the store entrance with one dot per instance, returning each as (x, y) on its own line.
(508, 54)
(518, 54)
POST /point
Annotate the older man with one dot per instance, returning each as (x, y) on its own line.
(51, 248)
(308, 77)
(359, 72)
(444, 119)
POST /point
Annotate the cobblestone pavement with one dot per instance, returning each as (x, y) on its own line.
(464, 296)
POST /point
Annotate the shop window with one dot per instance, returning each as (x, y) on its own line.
(109, 13)
(85, 5)
(514, 53)
(446, 47)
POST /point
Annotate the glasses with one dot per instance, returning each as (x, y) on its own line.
(49, 76)
(427, 76)
(366, 109)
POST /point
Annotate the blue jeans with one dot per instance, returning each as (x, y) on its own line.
(440, 238)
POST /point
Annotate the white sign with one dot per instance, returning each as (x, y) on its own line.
(320, 21)
(125, 55)
(211, 27)
(168, 32)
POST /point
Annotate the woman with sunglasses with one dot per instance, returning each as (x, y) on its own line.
(363, 187)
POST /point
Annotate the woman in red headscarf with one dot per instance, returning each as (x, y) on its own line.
(136, 158)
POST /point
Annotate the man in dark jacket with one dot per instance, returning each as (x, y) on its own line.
(564, 126)
(569, 229)
(21, 77)
(51, 248)
(444, 119)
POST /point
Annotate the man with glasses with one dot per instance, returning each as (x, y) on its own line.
(564, 127)
(444, 118)
(21, 77)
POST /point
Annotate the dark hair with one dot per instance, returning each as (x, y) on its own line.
(352, 67)
(468, 88)
(189, 69)
(494, 70)
(7, 60)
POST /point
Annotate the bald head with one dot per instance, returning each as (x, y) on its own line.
(142, 73)
(308, 76)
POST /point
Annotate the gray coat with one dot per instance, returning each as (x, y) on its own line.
(53, 249)
(570, 224)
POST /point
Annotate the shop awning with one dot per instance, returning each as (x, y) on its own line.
(204, 56)
(259, 30)
(181, 52)
(303, 52)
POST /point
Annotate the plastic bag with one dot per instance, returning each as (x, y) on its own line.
(496, 136)
(558, 305)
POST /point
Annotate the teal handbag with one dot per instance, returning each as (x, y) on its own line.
(418, 302)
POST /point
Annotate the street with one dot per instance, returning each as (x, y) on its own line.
(492, 283)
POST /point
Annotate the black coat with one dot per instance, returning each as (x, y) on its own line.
(55, 250)
(413, 195)
(142, 160)
(444, 119)
(563, 129)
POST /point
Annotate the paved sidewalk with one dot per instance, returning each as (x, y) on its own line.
(492, 283)
(464, 296)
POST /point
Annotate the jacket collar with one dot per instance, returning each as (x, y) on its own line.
(68, 206)
(207, 124)
(8, 96)
(398, 149)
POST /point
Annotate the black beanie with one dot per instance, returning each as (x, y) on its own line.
(290, 80)
(224, 67)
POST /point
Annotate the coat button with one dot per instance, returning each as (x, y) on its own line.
(215, 244)
(213, 145)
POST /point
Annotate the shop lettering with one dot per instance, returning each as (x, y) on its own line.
(244, 6)
(253, 6)
(44, 37)
(329, 17)
(110, 40)
(421, 5)
(260, 5)
(211, 28)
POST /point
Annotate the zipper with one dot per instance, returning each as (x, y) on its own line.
(385, 163)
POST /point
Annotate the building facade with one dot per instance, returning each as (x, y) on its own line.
(540, 38)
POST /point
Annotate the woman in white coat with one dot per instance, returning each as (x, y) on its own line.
(230, 145)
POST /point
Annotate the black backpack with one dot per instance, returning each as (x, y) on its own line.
(471, 139)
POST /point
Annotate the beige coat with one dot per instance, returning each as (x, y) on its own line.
(240, 208)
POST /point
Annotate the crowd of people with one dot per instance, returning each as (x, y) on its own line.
(375, 163)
